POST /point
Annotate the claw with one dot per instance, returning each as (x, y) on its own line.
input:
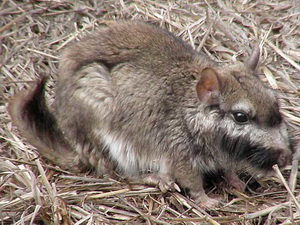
(176, 187)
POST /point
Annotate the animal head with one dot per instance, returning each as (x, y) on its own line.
(248, 125)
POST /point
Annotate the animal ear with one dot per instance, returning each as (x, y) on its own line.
(208, 87)
(254, 57)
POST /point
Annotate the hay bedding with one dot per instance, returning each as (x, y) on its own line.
(32, 32)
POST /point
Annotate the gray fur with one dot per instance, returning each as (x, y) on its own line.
(132, 98)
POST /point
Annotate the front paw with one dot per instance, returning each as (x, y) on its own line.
(162, 181)
(239, 185)
(235, 182)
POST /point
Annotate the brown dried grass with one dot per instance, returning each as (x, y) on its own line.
(31, 35)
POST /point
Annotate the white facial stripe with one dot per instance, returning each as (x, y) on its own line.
(246, 107)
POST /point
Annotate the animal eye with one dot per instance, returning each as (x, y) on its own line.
(240, 117)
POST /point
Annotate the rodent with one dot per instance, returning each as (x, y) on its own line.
(135, 99)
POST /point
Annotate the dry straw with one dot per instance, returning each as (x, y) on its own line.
(31, 35)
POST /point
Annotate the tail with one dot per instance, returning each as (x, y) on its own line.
(30, 113)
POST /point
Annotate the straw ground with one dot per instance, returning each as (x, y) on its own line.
(32, 33)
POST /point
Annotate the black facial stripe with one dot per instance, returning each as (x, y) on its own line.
(240, 148)
(274, 118)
